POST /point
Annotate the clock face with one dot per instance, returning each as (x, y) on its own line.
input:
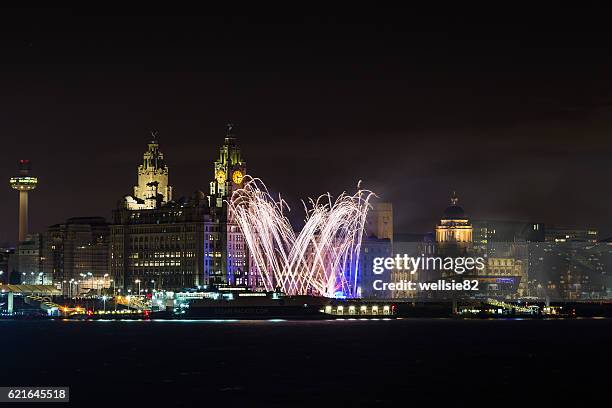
(237, 177)
(220, 176)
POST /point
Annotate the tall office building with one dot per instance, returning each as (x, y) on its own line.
(26, 264)
(78, 251)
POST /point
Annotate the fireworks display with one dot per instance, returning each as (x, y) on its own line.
(322, 260)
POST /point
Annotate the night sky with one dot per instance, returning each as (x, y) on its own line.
(513, 113)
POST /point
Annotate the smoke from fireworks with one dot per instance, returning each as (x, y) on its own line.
(323, 259)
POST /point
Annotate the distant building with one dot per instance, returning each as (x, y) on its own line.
(161, 243)
(377, 242)
(413, 245)
(571, 270)
(26, 264)
(160, 248)
(487, 232)
(379, 223)
(226, 257)
(371, 247)
(5, 254)
(504, 277)
(570, 264)
(562, 234)
(229, 169)
(152, 189)
(78, 251)
(454, 229)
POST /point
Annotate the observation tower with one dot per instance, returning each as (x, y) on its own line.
(23, 183)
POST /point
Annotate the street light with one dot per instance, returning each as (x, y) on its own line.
(138, 282)
(104, 302)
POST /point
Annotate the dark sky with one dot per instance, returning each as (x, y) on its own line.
(514, 113)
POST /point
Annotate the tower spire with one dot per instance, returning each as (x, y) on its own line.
(154, 136)
(152, 188)
(454, 198)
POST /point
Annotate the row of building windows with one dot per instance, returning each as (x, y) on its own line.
(177, 254)
(162, 238)
(157, 263)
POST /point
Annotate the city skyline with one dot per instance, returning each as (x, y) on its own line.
(516, 121)
(295, 216)
(305, 206)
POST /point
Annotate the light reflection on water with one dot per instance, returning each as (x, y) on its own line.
(342, 321)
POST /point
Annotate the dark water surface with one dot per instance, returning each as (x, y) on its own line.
(420, 362)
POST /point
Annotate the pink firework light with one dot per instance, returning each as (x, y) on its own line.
(322, 259)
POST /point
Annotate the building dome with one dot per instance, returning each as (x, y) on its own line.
(454, 211)
(454, 226)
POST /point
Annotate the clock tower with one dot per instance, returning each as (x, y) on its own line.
(225, 250)
(229, 169)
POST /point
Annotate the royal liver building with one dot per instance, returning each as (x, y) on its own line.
(158, 242)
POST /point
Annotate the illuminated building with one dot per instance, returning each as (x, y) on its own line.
(372, 247)
(570, 270)
(558, 234)
(225, 250)
(78, 251)
(158, 242)
(24, 183)
(159, 248)
(507, 246)
(504, 277)
(378, 242)
(488, 234)
(229, 169)
(152, 189)
(379, 223)
(501, 243)
(413, 245)
(25, 265)
(454, 227)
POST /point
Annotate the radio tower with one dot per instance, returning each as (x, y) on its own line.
(23, 183)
